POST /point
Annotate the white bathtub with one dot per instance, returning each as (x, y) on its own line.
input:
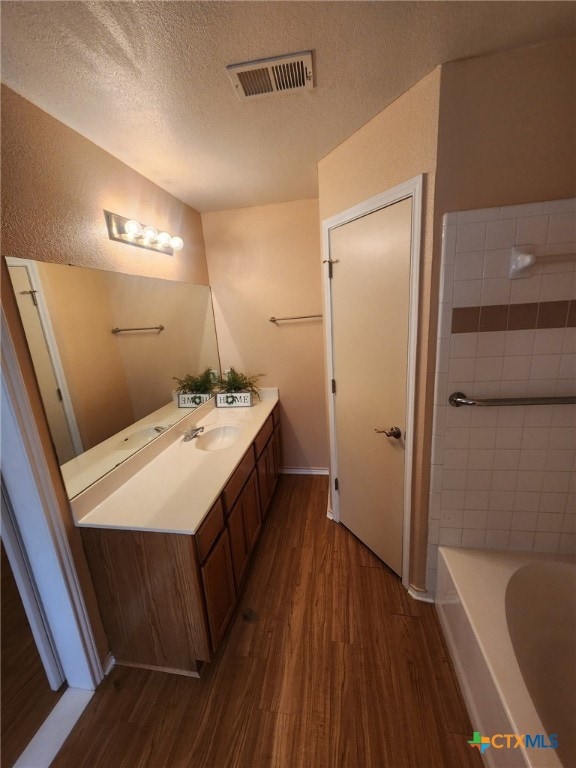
(510, 624)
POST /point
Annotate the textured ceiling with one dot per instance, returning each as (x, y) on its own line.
(146, 81)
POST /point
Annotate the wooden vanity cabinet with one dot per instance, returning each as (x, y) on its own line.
(166, 599)
(151, 597)
(213, 547)
(244, 524)
(219, 588)
(267, 445)
(243, 514)
(277, 439)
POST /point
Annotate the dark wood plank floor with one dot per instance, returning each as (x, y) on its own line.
(26, 695)
(328, 664)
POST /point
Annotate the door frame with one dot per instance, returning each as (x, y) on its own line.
(28, 483)
(50, 338)
(413, 188)
(28, 591)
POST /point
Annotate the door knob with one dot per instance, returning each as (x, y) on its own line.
(394, 432)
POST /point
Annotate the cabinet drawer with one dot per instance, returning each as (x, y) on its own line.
(236, 482)
(209, 530)
(263, 435)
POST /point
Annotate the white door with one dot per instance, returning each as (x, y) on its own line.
(371, 295)
(51, 389)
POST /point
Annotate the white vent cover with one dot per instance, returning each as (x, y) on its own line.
(292, 72)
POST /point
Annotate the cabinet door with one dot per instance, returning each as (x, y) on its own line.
(238, 543)
(244, 524)
(251, 512)
(150, 597)
(278, 449)
(267, 474)
(272, 467)
(263, 481)
(219, 589)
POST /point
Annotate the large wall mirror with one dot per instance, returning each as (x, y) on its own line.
(106, 347)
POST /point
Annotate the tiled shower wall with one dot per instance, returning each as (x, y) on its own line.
(505, 477)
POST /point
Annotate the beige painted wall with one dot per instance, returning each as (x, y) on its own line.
(265, 261)
(396, 145)
(507, 132)
(55, 185)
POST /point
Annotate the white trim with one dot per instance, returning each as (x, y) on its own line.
(54, 731)
(409, 189)
(109, 664)
(304, 471)
(50, 338)
(29, 596)
(424, 597)
(36, 511)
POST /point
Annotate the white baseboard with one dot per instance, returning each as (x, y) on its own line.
(109, 664)
(425, 597)
(54, 731)
(304, 471)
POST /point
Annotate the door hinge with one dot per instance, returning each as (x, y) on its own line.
(336, 484)
(330, 262)
(333, 386)
(59, 394)
(32, 296)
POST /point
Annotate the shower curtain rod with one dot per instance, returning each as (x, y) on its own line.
(458, 399)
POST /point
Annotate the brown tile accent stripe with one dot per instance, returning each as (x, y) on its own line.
(514, 317)
(493, 318)
(465, 319)
(523, 316)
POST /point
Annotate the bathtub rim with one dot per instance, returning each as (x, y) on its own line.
(486, 614)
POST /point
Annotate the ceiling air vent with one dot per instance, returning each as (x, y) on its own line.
(292, 72)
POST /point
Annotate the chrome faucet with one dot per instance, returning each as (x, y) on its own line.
(162, 428)
(192, 433)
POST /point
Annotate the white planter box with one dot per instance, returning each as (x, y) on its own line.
(192, 400)
(233, 399)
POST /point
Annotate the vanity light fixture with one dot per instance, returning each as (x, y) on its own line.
(132, 232)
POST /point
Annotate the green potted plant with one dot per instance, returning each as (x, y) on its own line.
(192, 391)
(236, 389)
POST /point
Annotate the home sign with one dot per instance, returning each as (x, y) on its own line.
(233, 399)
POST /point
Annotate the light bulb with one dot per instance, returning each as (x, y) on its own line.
(177, 243)
(150, 234)
(132, 228)
(164, 239)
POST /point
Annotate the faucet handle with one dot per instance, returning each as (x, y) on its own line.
(193, 432)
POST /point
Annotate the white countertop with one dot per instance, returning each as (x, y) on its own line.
(174, 491)
(84, 470)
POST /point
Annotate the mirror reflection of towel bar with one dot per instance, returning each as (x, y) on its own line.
(298, 317)
(458, 399)
(148, 328)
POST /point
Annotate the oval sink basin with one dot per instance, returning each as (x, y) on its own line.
(217, 438)
(138, 438)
